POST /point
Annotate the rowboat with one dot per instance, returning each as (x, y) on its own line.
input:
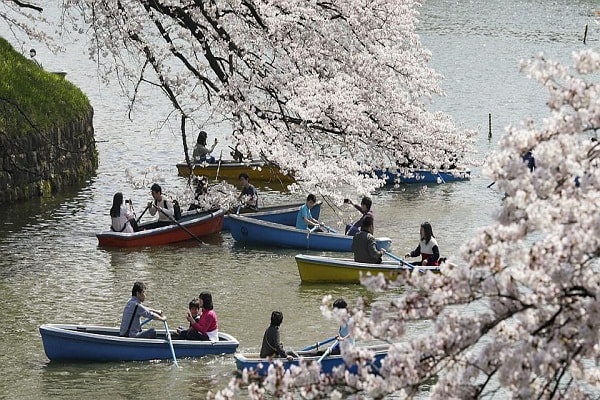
(346, 270)
(189, 225)
(260, 366)
(424, 176)
(258, 170)
(101, 343)
(282, 214)
(253, 231)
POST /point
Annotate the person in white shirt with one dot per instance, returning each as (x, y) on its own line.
(121, 214)
(162, 206)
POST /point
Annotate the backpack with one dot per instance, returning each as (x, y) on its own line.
(176, 210)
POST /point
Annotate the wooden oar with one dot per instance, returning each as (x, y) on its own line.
(328, 351)
(143, 212)
(179, 225)
(318, 344)
(170, 343)
(395, 257)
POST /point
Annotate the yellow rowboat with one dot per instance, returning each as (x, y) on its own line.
(257, 170)
(346, 270)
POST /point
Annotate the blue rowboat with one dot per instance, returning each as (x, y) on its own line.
(260, 366)
(424, 176)
(101, 343)
(253, 231)
(346, 270)
(282, 214)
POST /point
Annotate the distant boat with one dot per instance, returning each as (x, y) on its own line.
(253, 231)
(283, 214)
(424, 176)
(252, 361)
(258, 170)
(346, 270)
(191, 223)
(64, 342)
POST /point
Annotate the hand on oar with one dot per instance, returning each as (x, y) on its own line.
(311, 230)
(328, 351)
(395, 257)
(330, 229)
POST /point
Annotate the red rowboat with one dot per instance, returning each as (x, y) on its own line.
(190, 226)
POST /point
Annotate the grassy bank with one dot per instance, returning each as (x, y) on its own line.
(32, 99)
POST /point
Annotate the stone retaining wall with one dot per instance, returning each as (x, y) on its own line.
(44, 163)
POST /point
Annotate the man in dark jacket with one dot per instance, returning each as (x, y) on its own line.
(364, 245)
(271, 345)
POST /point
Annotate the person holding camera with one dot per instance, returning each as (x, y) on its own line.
(121, 215)
(201, 152)
(365, 210)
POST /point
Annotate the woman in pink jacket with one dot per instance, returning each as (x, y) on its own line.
(207, 327)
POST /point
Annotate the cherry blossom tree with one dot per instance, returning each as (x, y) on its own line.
(520, 317)
(25, 17)
(322, 88)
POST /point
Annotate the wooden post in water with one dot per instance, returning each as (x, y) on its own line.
(489, 125)
(585, 33)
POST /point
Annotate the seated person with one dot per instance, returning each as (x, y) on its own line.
(134, 310)
(122, 218)
(248, 195)
(236, 154)
(166, 213)
(206, 327)
(194, 312)
(201, 152)
(304, 219)
(364, 245)
(271, 344)
(344, 330)
(427, 248)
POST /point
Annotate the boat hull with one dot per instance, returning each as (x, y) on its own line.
(285, 215)
(253, 231)
(230, 170)
(424, 176)
(260, 366)
(199, 224)
(346, 270)
(63, 342)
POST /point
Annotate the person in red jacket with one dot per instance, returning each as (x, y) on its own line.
(207, 326)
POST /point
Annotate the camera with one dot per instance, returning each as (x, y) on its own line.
(128, 201)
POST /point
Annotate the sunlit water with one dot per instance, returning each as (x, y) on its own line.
(51, 269)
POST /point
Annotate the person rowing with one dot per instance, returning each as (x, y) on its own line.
(427, 248)
(364, 245)
(160, 204)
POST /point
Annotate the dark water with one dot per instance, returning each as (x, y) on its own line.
(51, 269)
